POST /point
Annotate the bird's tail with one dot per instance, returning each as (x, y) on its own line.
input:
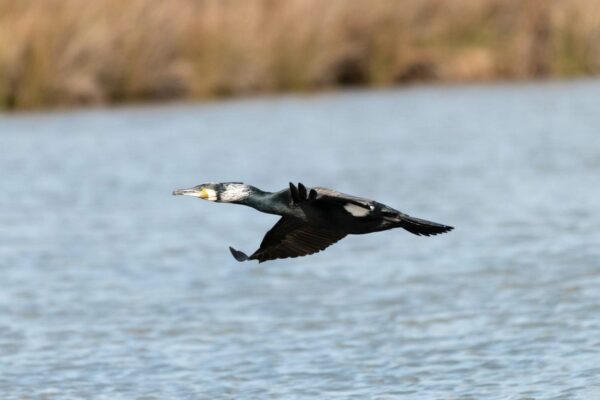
(419, 227)
(238, 255)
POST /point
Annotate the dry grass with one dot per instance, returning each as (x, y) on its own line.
(63, 52)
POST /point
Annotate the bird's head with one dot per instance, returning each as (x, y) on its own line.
(227, 192)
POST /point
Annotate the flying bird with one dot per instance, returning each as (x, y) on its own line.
(311, 219)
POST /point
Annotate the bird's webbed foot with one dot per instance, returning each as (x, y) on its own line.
(301, 195)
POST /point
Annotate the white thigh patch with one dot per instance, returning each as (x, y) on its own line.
(356, 211)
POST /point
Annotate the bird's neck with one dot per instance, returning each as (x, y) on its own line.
(266, 202)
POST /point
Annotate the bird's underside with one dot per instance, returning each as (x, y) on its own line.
(327, 216)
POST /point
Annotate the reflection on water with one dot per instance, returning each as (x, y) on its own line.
(114, 289)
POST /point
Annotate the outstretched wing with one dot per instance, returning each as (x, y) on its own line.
(291, 237)
(357, 206)
(324, 197)
(334, 196)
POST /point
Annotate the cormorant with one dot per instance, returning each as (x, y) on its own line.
(311, 220)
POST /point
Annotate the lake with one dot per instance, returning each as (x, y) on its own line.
(114, 289)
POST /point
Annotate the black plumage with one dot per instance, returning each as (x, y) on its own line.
(312, 219)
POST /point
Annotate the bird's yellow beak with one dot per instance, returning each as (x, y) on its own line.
(195, 192)
(198, 191)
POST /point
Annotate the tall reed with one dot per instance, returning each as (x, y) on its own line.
(64, 52)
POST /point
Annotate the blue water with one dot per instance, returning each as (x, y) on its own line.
(114, 289)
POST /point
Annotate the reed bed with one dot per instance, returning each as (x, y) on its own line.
(72, 52)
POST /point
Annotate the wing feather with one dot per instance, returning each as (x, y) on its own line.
(291, 237)
(333, 196)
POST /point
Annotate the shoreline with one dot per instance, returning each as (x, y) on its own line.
(295, 96)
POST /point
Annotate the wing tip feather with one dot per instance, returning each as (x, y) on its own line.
(238, 255)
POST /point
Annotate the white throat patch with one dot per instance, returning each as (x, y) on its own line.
(234, 192)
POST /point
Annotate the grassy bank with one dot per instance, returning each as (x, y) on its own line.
(65, 52)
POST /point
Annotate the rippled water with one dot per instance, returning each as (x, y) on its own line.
(114, 289)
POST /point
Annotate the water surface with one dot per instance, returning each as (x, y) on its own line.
(114, 289)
